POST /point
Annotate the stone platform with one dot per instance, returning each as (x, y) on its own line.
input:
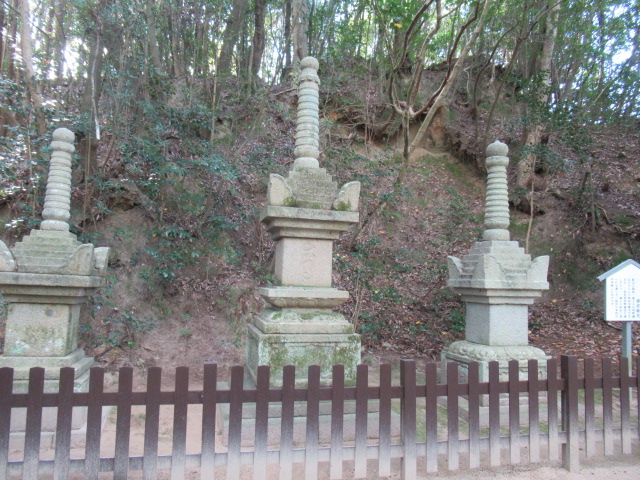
(301, 338)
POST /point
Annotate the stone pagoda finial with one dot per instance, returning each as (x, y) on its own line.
(307, 149)
(57, 202)
(308, 185)
(496, 218)
(53, 249)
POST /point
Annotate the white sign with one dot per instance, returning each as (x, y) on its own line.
(622, 292)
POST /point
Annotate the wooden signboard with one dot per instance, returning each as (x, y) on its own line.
(622, 299)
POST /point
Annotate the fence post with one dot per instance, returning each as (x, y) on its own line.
(152, 424)
(384, 422)
(262, 422)
(514, 412)
(453, 412)
(123, 423)
(6, 394)
(408, 418)
(625, 405)
(234, 440)
(34, 423)
(431, 416)
(209, 405)
(94, 424)
(362, 385)
(63, 424)
(637, 380)
(337, 421)
(313, 425)
(569, 405)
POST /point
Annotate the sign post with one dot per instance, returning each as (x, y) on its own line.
(622, 300)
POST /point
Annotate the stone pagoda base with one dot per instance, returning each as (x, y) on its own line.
(302, 337)
(52, 366)
(464, 352)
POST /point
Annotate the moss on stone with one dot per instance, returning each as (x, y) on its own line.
(343, 206)
(290, 202)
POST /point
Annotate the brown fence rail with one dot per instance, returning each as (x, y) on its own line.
(419, 425)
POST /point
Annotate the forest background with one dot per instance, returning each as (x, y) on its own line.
(181, 109)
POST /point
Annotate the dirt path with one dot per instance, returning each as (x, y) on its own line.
(619, 468)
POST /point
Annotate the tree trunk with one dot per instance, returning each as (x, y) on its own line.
(26, 44)
(178, 60)
(287, 39)
(525, 169)
(324, 36)
(230, 36)
(201, 66)
(152, 36)
(11, 43)
(88, 145)
(300, 21)
(104, 35)
(258, 43)
(46, 65)
(2, 38)
(455, 71)
(61, 39)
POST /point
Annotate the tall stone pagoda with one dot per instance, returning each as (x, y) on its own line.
(45, 280)
(498, 282)
(305, 213)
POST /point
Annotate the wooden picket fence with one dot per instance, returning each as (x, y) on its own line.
(584, 412)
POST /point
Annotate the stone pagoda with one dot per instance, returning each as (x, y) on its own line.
(45, 280)
(498, 282)
(305, 213)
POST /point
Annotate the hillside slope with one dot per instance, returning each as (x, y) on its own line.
(189, 251)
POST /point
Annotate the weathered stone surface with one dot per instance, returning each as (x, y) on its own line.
(302, 350)
(307, 149)
(303, 321)
(41, 329)
(496, 218)
(348, 197)
(498, 265)
(76, 359)
(43, 313)
(44, 284)
(284, 222)
(303, 297)
(497, 324)
(57, 201)
(7, 262)
(464, 352)
(54, 252)
(101, 260)
(497, 282)
(312, 188)
(278, 192)
(303, 262)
